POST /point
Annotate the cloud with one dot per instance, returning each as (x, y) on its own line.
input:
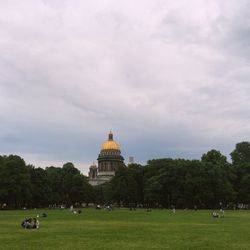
(170, 78)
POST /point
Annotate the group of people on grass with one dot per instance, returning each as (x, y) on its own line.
(218, 215)
(30, 223)
(106, 207)
(72, 210)
(33, 223)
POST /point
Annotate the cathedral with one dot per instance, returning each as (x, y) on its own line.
(109, 160)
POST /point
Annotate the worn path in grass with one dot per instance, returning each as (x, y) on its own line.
(122, 229)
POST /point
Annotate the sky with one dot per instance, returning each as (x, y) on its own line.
(169, 78)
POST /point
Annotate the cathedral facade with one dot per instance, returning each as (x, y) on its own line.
(109, 160)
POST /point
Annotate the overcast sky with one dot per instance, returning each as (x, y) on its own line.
(169, 78)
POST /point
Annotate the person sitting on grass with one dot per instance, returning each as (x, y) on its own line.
(28, 223)
(215, 215)
(24, 223)
(222, 212)
(35, 223)
(44, 215)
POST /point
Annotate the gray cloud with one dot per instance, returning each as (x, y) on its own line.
(170, 78)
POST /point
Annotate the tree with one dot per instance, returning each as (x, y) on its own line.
(15, 184)
(241, 166)
(41, 189)
(56, 183)
(215, 157)
(244, 191)
(126, 187)
(241, 153)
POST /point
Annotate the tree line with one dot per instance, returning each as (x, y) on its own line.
(167, 182)
(24, 185)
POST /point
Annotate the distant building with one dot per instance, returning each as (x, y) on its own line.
(109, 160)
(131, 160)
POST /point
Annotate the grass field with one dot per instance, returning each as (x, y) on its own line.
(124, 229)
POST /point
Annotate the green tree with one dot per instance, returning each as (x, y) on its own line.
(215, 157)
(244, 191)
(15, 183)
(241, 166)
(241, 153)
(126, 187)
(55, 178)
(41, 189)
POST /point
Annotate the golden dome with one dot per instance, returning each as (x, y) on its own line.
(110, 144)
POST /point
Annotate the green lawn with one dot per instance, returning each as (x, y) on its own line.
(124, 229)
